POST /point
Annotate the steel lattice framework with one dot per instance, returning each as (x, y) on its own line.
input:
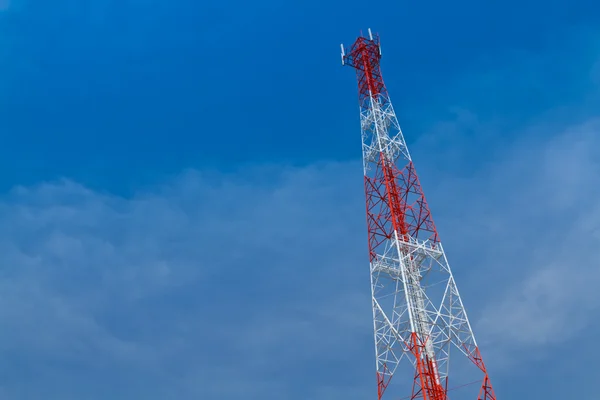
(417, 309)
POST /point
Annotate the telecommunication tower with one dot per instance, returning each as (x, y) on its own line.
(417, 310)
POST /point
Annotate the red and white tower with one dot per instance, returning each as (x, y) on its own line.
(417, 310)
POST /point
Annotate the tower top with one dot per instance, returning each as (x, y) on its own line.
(364, 56)
(370, 40)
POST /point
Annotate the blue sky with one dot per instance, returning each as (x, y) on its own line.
(181, 192)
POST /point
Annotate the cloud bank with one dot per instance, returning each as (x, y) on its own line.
(256, 282)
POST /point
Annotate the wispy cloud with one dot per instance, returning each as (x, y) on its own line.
(556, 214)
(208, 273)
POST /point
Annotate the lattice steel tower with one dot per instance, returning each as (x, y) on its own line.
(417, 310)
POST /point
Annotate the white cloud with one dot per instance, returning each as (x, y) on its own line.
(260, 277)
(206, 273)
(554, 211)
